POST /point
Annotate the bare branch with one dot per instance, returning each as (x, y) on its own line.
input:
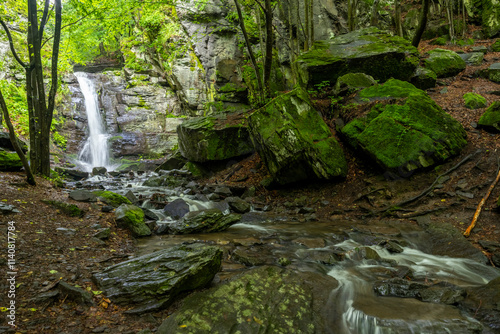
(11, 43)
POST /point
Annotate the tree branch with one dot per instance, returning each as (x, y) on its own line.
(11, 43)
(44, 19)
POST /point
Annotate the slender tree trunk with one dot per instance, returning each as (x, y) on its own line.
(464, 22)
(449, 13)
(15, 143)
(268, 61)
(421, 24)
(351, 14)
(311, 12)
(306, 33)
(397, 18)
(291, 42)
(374, 18)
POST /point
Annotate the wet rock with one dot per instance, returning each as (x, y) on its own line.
(369, 51)
(238, 205)
(111, 198)
(132, 217)
(176, 209)
(99, 171)
(68, 209)
(294, 142)
(152, 281)
(78, 295)
(131, 197)
(392, 246)
(484, 303)
(326, 257)
(82, 196)
(450, 295)
(445, 63)
(175, 161)
(72, 173)
(204, 221)
(107, 208)
(163, 181)
(256, 255)
(150, 214)
(267, 299)
(102, 233)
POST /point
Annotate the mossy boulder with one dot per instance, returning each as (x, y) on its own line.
(473, 58)
(68, 209)
(494, 72)
(474, 101)
(352, 82)
(495, 47)
(263, 300)
(151, 282)
(132, 217)
(111, 198)
(293, 140)
(212, 138)
(6, 144)
(406, 131)
(370, 51)
(490, 120)
(9, 161)
(444, 63)
(424, 78)
(203, 221)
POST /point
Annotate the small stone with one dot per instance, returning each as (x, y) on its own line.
(103, 233)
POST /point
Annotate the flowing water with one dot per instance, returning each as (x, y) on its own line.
(350, 251)
(95, 151)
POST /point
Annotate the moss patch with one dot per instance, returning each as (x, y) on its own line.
(9, 161)
(132, 217)
(68, 209)
(444, 63)
(491, 118)
(111, 198)
(474, 101)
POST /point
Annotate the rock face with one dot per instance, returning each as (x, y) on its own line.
(263, 300)
(152, 281)
(203, 221)
(369, 51)
(9, 161)
(444, 63)
(491, 118)
(132, 217)
(211, 138)
(294, 142)
(410, 134)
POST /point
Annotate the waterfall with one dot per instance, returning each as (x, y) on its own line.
(95, 151)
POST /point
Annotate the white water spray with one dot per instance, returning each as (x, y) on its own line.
(95, 151)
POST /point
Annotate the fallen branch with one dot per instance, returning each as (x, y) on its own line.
(480, 206)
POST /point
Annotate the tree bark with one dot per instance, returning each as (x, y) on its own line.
(374, 18)
(397, 18)
(421, 23)
(268, 61)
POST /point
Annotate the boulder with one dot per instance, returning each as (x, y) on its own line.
(175, 161)
(238, 205)
(82, 196)
(176, 209)
(211, 138)
(352, 82)
(369, 51)
(111, 198)
(490, 120)
(9, 161)
(483, 302)
(474, 101)
(444, 63)
(203, 221)
(131, 217)
(406, 131)
(263, 300)
(423, 78)
(494, 72)
(151, 282)
(294, 142)
(6, 144)
(68, 209)
(472, 58)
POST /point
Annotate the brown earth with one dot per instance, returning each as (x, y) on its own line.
(45, 255)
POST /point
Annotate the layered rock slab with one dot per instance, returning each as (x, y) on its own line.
(151, 282)
(294, 142)
(403, 129)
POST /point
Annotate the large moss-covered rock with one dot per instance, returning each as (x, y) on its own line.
(152, 281)
(424, 78)
(369, 51)
(491, 117)
(444, 63)
(293, 140)
(132, 217)
(352, 82)
(9, 161)
(111, 198)
(474, 101)
(407, 130)
(494, 72)
(203, 221)
(214, 137)
(263, 300)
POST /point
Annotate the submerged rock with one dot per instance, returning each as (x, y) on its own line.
(151, 282)
(406, 131)
(203, 221)
(132, 217)
(211, 138)
(444, 63)
(263, 300)
(369, 51)
(294, 142)
(490, 120)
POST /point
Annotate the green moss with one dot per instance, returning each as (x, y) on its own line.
(444, 63)
(111, 198)
(391, 89)
(68, 209)
(440, 41)
(495, 47)
(491, 117)
(9, 161)
(132, 217)
(474, 101)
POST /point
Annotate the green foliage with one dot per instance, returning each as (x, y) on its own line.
(15, 98)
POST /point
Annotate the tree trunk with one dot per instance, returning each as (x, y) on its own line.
(374, 18)
(421, 23)
(351, 14)
(397, 18)
(311, 12)
(268, 61)
(306, 39)
(449, 13)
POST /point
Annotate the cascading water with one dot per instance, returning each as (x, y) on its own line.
(95, 151)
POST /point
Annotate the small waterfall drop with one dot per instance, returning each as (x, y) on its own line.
(95, 151)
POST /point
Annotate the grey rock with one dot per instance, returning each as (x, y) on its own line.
(103, 233)
(78, 295)
(176, 209)
(238, 205)
(203, 221)
(82, 196)
(99, 171)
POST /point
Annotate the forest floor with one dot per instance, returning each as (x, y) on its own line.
(52, 247)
